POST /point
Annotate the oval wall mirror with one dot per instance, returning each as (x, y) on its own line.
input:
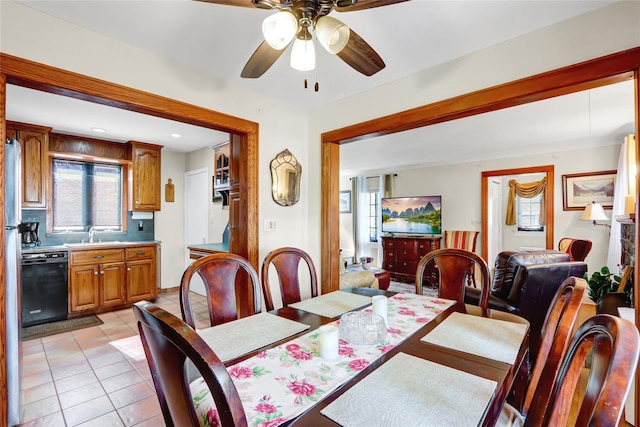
(285, 179)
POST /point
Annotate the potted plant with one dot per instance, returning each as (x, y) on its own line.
(366, 262)
(601, 282)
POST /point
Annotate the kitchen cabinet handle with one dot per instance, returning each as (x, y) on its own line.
(99, 256)
(102, 272)
(95, 273)
(128, 268)
(140, 253)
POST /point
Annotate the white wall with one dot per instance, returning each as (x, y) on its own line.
(60, 44)
(460, 186)
(32, 35)
(607, 30)
(218, 217)
(171, 237)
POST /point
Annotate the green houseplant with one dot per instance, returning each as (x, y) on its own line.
(601, 282)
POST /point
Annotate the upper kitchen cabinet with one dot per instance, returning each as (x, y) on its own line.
(221, 167)
(34, 141)
(145, 186)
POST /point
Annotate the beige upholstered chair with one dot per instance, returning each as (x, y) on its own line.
(578, 249)
(357, 279)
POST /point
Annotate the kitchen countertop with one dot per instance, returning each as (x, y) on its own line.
(73, 246)
(210, 247)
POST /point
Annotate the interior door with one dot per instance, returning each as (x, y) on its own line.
(495, 220)
(196, 214)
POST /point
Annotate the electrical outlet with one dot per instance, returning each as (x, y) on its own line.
(270, 225)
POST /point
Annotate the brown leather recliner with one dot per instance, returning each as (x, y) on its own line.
(524, 284)
(506, 284)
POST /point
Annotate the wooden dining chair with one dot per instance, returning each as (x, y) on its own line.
(230, 284)
(168, 343)
(287, 263)
(453, 267)
(615, 346)
(556, 335)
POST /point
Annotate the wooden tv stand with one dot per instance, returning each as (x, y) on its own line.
(402, 254)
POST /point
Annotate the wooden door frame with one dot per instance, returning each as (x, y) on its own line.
(613, 68)
(22, 72)
(548, 170)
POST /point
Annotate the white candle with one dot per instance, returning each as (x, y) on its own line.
(328, 342)
(379, 305)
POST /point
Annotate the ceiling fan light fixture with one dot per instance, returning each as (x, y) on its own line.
(278, 29)
(332, 34)
(303, 54)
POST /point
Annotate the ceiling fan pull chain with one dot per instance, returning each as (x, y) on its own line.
(316, 87)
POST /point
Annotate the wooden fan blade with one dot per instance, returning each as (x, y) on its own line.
(360, 56)
(240, 3)
(366, 4)
(261, 60)
(260, 4)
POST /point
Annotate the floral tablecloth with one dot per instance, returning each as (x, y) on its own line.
(280, 383)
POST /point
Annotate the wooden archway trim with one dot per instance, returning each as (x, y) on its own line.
(605, 70)
(614, 68)
(34, 75)
(548, 170)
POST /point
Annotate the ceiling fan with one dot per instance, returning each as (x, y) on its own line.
(296, 19)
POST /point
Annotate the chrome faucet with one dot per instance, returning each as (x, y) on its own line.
(92, 232)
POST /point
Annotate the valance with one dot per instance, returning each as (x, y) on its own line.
(528, 191)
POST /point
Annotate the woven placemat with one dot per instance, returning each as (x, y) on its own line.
(332, 304)
(242, 336)
(409, 391)
(491, 338)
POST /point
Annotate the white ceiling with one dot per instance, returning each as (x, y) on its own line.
(410, 36)
(219, 39)
(76, 117)
(601, 116)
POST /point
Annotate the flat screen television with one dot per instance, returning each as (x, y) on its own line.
(412, 215)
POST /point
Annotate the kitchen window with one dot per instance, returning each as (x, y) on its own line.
(86, 195)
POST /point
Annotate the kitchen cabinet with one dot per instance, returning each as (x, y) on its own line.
(34, 141)
(141, 273)
(402, 254)
(96, 278)
(101, 279)
(145, 194)
(221, 167)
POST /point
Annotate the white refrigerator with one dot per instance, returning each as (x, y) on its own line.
(12, 255)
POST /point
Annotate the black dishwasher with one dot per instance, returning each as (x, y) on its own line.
(45, 289)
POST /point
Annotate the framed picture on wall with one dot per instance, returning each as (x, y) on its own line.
(345, 201)
(580, 189)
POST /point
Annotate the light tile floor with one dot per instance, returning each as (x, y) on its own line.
(96, 376)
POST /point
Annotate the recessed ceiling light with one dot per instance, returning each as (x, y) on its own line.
(176, 135)
(99, 130)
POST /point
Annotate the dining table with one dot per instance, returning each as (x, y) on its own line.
(442, 362)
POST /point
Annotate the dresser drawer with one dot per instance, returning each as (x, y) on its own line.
(96, 256)
(140, 252)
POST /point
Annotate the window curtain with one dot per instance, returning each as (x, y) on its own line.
(622, 189)
(384, 190)
(528, 191)
(360, 210)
